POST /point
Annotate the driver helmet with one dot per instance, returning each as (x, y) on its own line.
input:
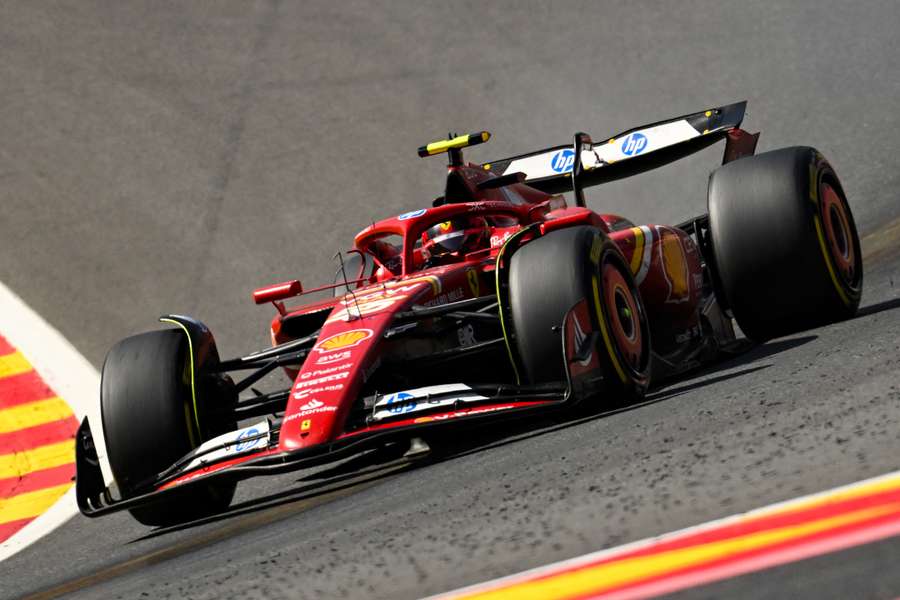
(458, 236)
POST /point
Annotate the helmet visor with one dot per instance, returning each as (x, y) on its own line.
(451, 241)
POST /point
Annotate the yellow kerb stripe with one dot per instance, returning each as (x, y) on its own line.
(18, 464)
(595, 580)
(30, 504)
(32, 414)
(13, 364)
(856, 491)
(638, 250)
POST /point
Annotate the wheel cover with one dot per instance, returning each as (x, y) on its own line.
(624, 315)
(838, 234)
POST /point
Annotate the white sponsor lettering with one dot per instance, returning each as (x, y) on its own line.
(254, 437)
(328, 359)
(377, 294)
(312, 411)
(314, 382)
(336, 387)
(312, 404)
(422, 399)
(326, 371)
(499, 240)
(451, 296)
(364, 306)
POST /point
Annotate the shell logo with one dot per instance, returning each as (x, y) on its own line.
(346, 339)
(445, 226)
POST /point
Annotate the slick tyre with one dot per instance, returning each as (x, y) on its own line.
(146, 409)
(786, 251)
(547, 277)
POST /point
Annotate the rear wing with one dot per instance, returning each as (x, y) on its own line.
(554, 170)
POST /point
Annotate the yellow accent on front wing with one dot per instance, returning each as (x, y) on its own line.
(194, 442)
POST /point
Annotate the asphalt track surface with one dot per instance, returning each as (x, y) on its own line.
(170, 157)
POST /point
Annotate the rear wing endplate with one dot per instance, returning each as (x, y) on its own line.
(553, 170)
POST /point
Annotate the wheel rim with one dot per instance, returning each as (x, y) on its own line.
(624, 315)
(838, 234)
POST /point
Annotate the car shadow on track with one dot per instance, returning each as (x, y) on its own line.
(494, 436)
(753, 353)
(877, 308)
(338, 484)
(502, 435)
(369, 468)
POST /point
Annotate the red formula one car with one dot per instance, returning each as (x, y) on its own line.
(501, 299)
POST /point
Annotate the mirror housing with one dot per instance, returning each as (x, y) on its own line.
(278, 291)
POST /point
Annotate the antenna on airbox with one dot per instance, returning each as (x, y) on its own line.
(453, 146)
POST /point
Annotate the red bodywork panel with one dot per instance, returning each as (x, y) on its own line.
(664, 260)
(397, 269)
(329, 381)
(666, 265)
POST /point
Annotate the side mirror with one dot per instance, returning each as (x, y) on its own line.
(278, 291)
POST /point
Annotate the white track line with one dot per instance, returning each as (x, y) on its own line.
(72, 377)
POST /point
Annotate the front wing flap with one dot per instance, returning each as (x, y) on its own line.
(95, 500)
(253, 450)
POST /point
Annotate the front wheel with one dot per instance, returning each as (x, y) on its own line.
(551, 274)
(149, 422)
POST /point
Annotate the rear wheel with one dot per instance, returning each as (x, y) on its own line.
(551, 274)
(148, 423)
(785, 244)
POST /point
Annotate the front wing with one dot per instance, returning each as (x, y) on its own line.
(253, 451)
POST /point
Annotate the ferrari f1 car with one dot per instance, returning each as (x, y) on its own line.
(501, 299)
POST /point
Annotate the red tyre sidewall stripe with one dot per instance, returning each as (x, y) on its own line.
(829, 198)
(613, 280)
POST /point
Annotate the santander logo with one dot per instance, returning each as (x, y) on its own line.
(312, 404)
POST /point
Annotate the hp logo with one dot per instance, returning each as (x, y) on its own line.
(243, 443)
(394, 405)
(634, 144)
(563, 161)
